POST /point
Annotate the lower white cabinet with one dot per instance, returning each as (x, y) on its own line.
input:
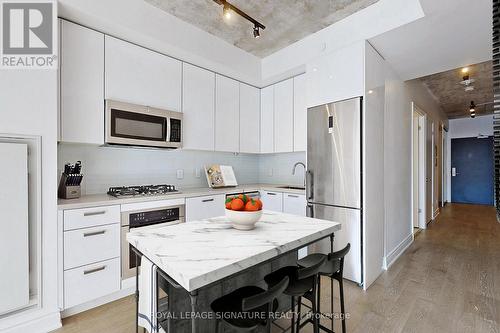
(89, 245)
(92, 281)
(200, 208)
(294, 204)
(272, 200)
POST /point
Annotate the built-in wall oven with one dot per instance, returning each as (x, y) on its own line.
(154, 217)
(143, 126)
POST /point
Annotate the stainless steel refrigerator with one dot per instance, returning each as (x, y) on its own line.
(334, 180)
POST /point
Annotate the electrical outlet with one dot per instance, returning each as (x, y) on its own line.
(180, 174)
(197, 172)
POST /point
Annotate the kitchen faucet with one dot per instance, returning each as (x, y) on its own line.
(295, 167)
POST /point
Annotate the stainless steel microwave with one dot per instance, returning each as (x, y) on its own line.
(143, 126)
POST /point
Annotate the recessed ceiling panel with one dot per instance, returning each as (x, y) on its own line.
(286, 21)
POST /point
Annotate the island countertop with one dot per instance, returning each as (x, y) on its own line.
(196, 254)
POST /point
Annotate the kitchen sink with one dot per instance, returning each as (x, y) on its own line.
(293, 187)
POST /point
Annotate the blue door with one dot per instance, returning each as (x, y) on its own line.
(472, 171)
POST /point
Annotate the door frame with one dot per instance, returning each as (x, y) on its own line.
(422, 122)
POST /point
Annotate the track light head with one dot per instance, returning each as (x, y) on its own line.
(226, 11)
(472, 107)
(256, 32)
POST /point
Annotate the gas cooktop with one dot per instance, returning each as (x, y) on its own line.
(142, 190)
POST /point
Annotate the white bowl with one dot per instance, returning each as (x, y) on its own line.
(243, 220)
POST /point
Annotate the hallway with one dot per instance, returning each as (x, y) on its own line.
(447, 281)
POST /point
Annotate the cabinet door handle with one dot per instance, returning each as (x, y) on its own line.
(310, 211)
(207, 200)
(101, 212)
(94, 233)
(309, 185)
(292, 196)
(94, 270)
(271, 193)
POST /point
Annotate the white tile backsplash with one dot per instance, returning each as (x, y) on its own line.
(108, 166)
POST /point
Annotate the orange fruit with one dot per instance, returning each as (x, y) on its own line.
(252, 206)
(237, 204)
(243, 197)
(259, 202)
(228, 203)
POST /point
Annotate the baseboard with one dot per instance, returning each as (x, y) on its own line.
(43, 324)
(398, 250)
(97, 302)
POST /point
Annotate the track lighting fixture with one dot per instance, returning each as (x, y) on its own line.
(228, 9)
(256, 32)
(472, 108)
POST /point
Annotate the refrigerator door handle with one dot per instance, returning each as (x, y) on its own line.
(309, 184)
(310, 211)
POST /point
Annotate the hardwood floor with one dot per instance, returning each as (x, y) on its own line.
(447, 281)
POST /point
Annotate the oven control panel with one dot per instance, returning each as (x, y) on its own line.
(140, 219)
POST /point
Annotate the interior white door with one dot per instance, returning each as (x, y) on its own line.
(249, 119)
(227, 114)
(283, 116)
(198, 106)
(14, 238)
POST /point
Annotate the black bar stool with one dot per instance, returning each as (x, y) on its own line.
(303, 282)
(241, 309)
(333, 268)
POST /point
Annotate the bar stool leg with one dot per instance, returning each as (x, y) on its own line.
(342, 308)
(298, 314)
(293, 315)
(331, 302)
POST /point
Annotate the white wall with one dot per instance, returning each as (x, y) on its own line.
(365, 24)
(28, 106)
(465, 128)
(141, 23)
(104, 167)
(399, 96)
(471, 127)
(277, 168)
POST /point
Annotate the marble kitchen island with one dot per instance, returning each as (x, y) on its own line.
(207, 259)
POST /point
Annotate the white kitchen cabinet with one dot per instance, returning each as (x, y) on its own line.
(267, 120)
(336, 76)
(283, 116)
(294, 204)
(227, 114)
(137, 75)
(249, 119)
(86, 283)
(81, 84)
(198, 106)
(272, 200)
(299, 113)
(205, 207)
(91, 217)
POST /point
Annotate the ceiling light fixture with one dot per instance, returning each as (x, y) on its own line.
(465, 70)
(229, 8)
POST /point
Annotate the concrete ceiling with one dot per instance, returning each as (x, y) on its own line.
(452, 34)
(450, 93)
(286, 21)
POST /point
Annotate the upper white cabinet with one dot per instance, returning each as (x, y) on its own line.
(227, 114)
(81, 84)
(138, 75)
(299, 113)
(267, 120)
(336, 76)
(198, 106)
(283, 116)
(249, 119)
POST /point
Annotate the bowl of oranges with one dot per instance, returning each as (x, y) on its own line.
(243, 212)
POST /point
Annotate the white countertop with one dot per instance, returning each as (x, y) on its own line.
(196, 254)
(96, 200)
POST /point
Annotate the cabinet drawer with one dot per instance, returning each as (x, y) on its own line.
(294, 204)
(272, 200)
(89, 282)
(89, 245)
(200, 208)
(91, 217)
